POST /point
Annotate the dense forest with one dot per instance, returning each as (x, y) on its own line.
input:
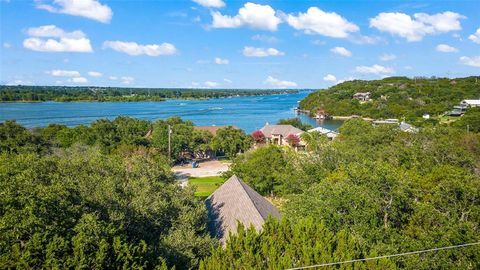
(103, 196)
(21, 93)
(395, 97)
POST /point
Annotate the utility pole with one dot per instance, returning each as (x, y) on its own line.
(169, 141)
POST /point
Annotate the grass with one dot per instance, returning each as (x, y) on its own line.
(205, 185)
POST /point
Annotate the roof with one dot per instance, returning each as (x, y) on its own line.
(407, 127)
(284, 130)
(472, 101)
(361, 94)
(234, 202)
(322, 130)
(212, 129)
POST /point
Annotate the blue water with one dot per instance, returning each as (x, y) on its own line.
(248, 113)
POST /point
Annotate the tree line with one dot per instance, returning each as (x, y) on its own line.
(22, 93)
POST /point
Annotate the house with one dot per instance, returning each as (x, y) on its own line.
(386, 122)
(278, 134)
(235, 202)
(470, 103)
(212, 129)
(426, 116)
(327, 132)
(321, 114)
(362, 96)
(405, 127)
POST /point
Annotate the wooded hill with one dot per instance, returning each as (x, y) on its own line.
(394, 97)
(90, 93)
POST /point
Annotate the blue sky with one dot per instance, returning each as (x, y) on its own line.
(234, 44)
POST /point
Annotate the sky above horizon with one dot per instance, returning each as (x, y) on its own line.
(234, 44)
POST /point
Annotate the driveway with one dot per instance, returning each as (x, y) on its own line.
(207, 168)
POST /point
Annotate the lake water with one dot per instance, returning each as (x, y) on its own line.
(248, 113)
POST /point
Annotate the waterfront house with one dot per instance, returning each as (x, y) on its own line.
(235, 202)
(322, 114)
(327, 132)
(279, 134)
(209, 153)
(362, 96)
(469, 103)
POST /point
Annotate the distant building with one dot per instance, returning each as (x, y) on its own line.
(278, 134)
(327, 132)
(386, 122)
(362, 96)
(235, 202)
(470, 103)
(426, 116)
(322, 114)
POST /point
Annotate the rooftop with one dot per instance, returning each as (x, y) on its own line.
(284, 130)
(212, 129)
(234, 202)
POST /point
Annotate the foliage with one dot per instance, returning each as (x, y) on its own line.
(286, 244)
(394, 191)
(293, 140)
(395, 97)
(258, 136)
(470, 120)
(296, 122)
(9, 93)
(231, 141)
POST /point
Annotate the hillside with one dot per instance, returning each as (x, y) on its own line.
(394, 97)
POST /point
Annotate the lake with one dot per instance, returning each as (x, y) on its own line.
(249, 113)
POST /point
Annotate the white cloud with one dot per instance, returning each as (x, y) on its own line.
(414, 29)
(250, 15)
(265, 38)
(19, 82)
(475, 37)
(95, 74)
(473, 61)
(220, 61)
(78, 80)
(127, 79)
(210, 3)
(261, 52)
(274, 82)
(227, 80)
(91, 9)
(341, 51)
(7, 45)
(317, 21)
(388, 57)
(133, 48)
(211, 84)
(375, 69)
(64, 73)
(113, 78)
(330, 78)
(57, 40)
(445, 48)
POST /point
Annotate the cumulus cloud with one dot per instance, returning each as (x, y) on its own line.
(211, 84)
(375, 69)
(64, 73)
(50, 38)
(317, 21)
(133, 48)
(127, 79)
(7, 45)
(475, 37)
(265, 38)
(91, 9)
(473, 61)
(113, 78)
(416, 27)
(388, 57)
(341, 51)
(261, 52)
(95, 74)
(210, 3)
(330, 78)
(274, 82)
(250, 15)
(220, 61)
(78, 80)
(445, 48)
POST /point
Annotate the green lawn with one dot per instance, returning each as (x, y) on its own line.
(206, 185)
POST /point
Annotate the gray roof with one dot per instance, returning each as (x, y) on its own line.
(284, 130)
(234, 202)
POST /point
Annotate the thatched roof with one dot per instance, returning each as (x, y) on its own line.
(234, 202)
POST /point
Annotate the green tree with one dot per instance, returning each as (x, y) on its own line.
(231, 141)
